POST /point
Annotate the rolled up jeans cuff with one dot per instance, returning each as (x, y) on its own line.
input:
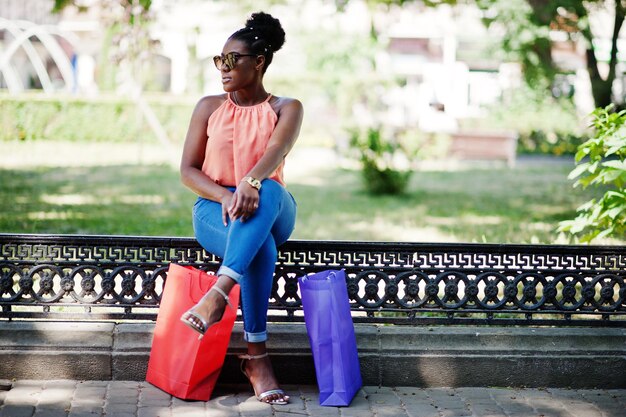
(224, 270)
(255, 337)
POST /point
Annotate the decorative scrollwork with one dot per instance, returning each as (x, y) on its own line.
(125, 273)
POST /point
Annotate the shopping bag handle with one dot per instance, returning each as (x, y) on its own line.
(196, 288)
(327, 278)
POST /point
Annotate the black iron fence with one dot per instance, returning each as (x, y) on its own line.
(121, 278)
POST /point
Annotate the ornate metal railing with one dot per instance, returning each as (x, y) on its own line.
(118, 278)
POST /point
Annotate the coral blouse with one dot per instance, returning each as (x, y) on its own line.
(237, 138)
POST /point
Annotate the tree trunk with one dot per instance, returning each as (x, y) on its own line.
(602, 89)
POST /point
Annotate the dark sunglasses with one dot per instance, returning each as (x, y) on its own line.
(230, 60)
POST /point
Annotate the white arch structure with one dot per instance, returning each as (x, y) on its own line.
(21, 32)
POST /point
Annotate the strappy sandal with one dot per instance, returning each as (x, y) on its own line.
(202, 328)
(283, 400)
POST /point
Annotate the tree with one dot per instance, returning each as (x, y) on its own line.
(571, 17)
(527, 39)
(127, 22)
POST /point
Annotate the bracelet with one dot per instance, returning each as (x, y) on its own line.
(253, 182)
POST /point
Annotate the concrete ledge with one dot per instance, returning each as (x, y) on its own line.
(40, 350)
(449, 356)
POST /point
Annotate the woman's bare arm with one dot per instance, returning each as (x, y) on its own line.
(193, 156)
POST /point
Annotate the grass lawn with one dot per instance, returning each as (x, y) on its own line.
(471, 204)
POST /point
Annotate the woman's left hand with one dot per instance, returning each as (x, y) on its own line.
(244, 203)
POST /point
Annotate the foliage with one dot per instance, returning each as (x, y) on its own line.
(541, 142)
(526, 39)
(528, 25)
(340, 57)
(61, 4)
(525, 27)
(384, 160)
(31, 117)
(127, 39)
(602, 162)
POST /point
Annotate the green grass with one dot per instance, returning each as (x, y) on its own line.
(472, 205)
(125, 199)
(488, 204)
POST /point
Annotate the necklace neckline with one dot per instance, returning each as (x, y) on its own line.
(233, 98)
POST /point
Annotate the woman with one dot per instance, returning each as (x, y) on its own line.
(233, 159)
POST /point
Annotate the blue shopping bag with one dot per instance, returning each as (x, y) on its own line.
(331, 335)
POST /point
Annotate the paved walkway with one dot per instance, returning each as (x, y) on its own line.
(64, 398)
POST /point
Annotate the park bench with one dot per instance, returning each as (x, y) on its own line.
(542, 304)
(483, 145)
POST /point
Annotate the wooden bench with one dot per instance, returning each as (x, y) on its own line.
(483, 145)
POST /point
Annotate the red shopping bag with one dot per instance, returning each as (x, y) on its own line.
(180, 364)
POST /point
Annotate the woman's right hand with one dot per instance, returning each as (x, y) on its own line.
(226, 202)
(244, 202)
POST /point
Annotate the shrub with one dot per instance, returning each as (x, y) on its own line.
(35, 117)
(601, 161)
(385, 160)
(538, 141)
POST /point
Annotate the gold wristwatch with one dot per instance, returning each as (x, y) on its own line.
(253, 182)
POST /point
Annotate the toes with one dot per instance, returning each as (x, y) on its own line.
(194, 322)
(276, 398)
(270, 399)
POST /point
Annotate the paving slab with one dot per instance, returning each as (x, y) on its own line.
(69, 398)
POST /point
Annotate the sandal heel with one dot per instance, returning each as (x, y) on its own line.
(262, 396)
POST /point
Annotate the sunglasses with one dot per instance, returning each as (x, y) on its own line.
(230, 60)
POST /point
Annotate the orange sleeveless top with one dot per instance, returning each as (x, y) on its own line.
(237, 138)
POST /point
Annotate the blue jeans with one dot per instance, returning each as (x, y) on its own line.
(249, 249)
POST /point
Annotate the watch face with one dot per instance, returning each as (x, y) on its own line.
(254, 182)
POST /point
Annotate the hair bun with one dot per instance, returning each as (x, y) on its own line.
(269, 29)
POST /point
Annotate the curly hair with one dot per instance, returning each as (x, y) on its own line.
(263, 35)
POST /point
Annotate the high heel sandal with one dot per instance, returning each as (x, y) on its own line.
(283, 400)
(203, 326)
